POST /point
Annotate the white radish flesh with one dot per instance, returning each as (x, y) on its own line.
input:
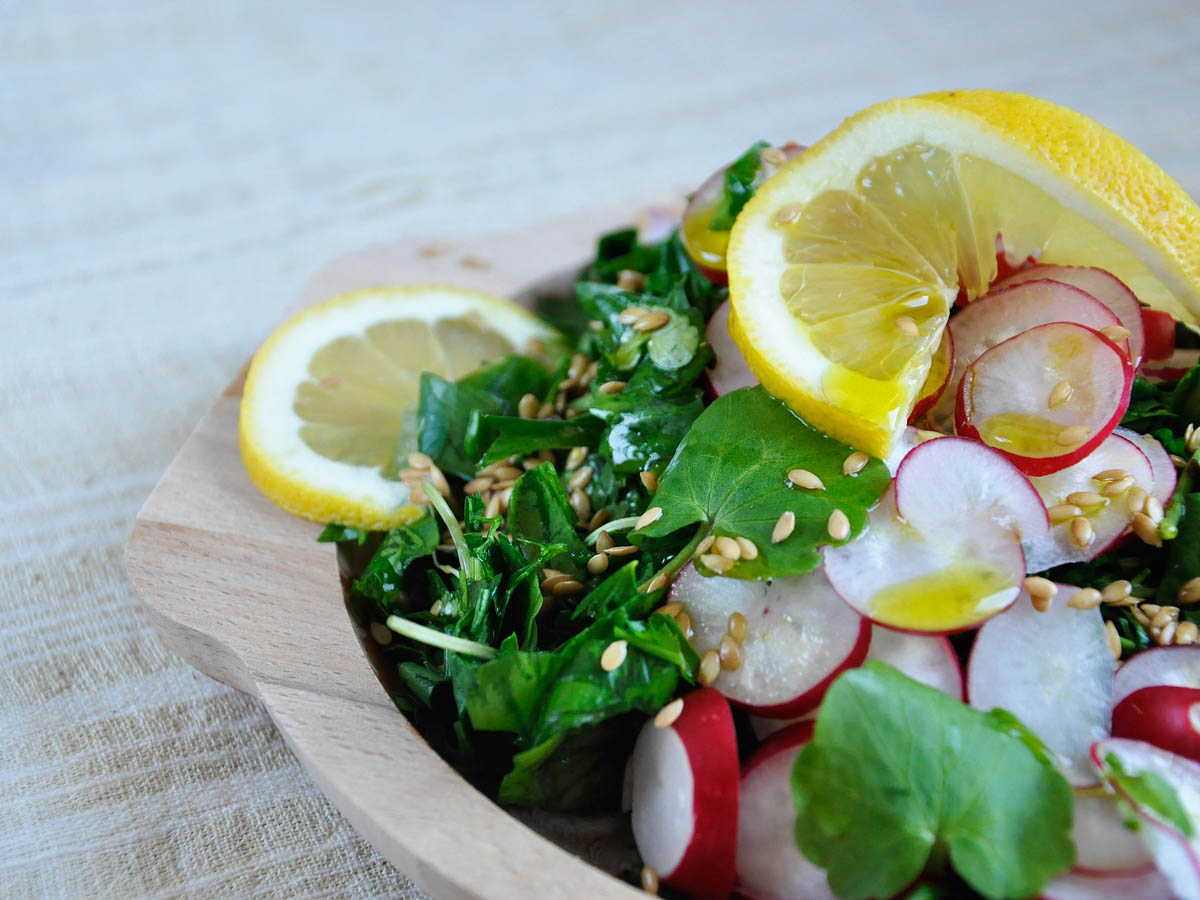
(729, 372)
(1165, 474)
(1104, 843)
(1053, 670)
(1173, 666)
(1144, 886)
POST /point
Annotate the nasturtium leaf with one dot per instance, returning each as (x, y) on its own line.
(730, 474)
(899, 776)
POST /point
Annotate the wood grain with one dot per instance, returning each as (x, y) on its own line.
(244, 592)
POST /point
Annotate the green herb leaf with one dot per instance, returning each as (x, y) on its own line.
(1151, 791)
(643, 429)
(540, 513)
(384, 575)
(339, 533)
(1185, 399)
(898, 774)
(738, 188)
(515, 436)
(730, 475)
(1183, 553)
(573, 770)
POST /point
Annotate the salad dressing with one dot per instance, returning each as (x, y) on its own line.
(944, 600)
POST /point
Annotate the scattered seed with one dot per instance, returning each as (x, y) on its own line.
(595, 325)
(1060, 394)
(1063, 512)
(1144, 527)
(787, 213)
(419, 460)
(1114, 639)
(1116, 332)
(1164, 615)
(1192, 441)
(737, 627)
(1178, 461)
(1153, 509)
(1117, 488)
(582, 504)
(1151, 609)
(658, 582)
(1086, 499)
(1140, 616)
(650, 877)
(1187, 633)
(1073, 435)
(440, 484)
(649, 480)
(784, 527)
(434, 249)
(906, 326)
(575, 458)
(528, 407)
(666, 716)
(684, 621)
(475, 262)
(478, 485)
(436, 609)
(604, 541)
(632, 315)
(492, 509)
(1166, 636)
(838, 525)
(625, 550)
(612, 387)
(671, 609)
(1087, 598)
(710, 668)
(381, 634)
(1116, 591)
(598, 564)
(703, 546)
(1110, 475)
(854, 463)
(749, 548)
(730, 654)
(613, 655)
(1135, 500)
(728, 547)
(805, 479)
(568, 588)
(581, 479)
(1082, 533)
(630, 280)
(599, 517)
(1190, 591)
(716, 562)
(648, 518)
(773, 156)
(1042, 590)
(651, 322)
(506, 472)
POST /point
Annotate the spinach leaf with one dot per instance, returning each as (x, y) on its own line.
(574, 770)
(540, 513)
(1183, 553)
(1150, 408)
(339, 533)
(730, 475)
(1150, 791)
(738, 187)
(676, 271)
(643, 429)
(400, 547)
(514, 436)
(898, 775)
(1185, 399)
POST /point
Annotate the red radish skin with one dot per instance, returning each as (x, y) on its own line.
(1105, 287)
(1173, 666)
(730, 372)
(1017, 376)
(770, 866)
(1180, 363)
(938, 379)
(1163, 715)
(1160, 334)
(799, 637)
(706, 734)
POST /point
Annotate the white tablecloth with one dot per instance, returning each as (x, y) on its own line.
(170, 174)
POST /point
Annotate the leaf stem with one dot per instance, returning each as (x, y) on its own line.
(465, 560)
(1168, 529)
(683, 557)
(435, 638)
(614, 525)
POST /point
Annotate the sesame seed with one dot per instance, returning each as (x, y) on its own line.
(671, 609)
(684, 621)
(737, 627)
(381, 634)
(613, 655)
(1063, 512)
(749, 548)
(1117, 488)
(787, 213)
(717, 563)
(666, 716)
(598, 563)
(1153, 509)
(784, 527)
(1116, 591)
(604, 541)
(1166, 636)
(568, 588)
(1114, 639)
(1110, 475)
(1041, 590)
(805, 479)
(650, 879)
(906, 326)
(710, 668)
(838, 525)
(612, 387)
(528, 406)
(1135, 501)
(1190, 591)
(1073, 435)
(1187, 633)
(582, 504)
(478, 485)
(648, 518)
(1082, 533)
(773, 156)
(651, 322)
(703, 546)
(581, 479)
(728, 547)
(1060, 394)
(854, 463)
(649, 480)
(631, 315)
(624, 550)
(1087, 598)
(1144, 527)
(729, 653)
(658, 582)
(1116, 332)
(1086, 498)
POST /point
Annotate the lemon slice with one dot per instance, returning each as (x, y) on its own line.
(330, 399)
(843, 267)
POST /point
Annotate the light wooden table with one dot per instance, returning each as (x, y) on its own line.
(172, 172)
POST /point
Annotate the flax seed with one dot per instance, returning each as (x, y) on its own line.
(632, 315)
(648, 518)
(658, 582)
(737, 627)
(649, 480)
(604, 541)
(717, 563)
(1042, 591)
(582, 504)
(729, 654)
(492, 509)
(598, 564)
(728, 547)
(581, 479)
(684, 621)
(1110, 475)
(599, 517)
(1117, 488)
(630, 280)
(613, 655)
(1153, 509)
(478, 485)
(612, 387)
(506, 472)
(1086, 598)
(805, 479)
(1144, 527)
(1086, 499)
(1060, 394)
(749, 548)
(1167, 635)
(625, 550)
(838, 525)
(1135, 500)
(855, 462)
(575, 458)
(1187, 633)
(1140, 616)
(1190, 591)
(528, 406)
(671, 609)
(1082, 533)
(1116, 591)
(784, 527)
(381, 634)
(1164, 615)
(666, 716)
(704, 545)
(568, 588)
(651, 322)
(710, 668)
(1063, 512)
(552, 580)
(1114, 639)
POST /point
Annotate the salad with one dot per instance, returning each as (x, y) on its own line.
(845, 532)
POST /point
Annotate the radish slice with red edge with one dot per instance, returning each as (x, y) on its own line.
(1104, 845)
(1165, 474)
(939, 584)
(1173, 666)
(1163, 715)
(1053, 670)
(1109, 520)
(1176, 856)
(730, 372)
(1000, 315)
(1012, 398)
(1160, 334)
(769, 864)
(1179, 364)
(1105, 287)
(1145, 886)
(938, 378)
(799, 637)
(685, 797)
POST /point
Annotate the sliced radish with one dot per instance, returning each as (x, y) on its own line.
(947, 482)
(999, 315)
(1179, 364)
(769, 864)
(685, 797)
(1053, 670)
(1160, 334)
(937, 379)
(1164, 715)
(1105, 287)
(1109, 521)
(1176, 857)
(1172, 666)
(1104, 843)
(1010, 399)
(730, 371)
(799, 637)
(1146, 886)
(942, 583)
(1165, 475)
(910, 439)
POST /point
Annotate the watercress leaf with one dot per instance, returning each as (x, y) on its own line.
(898, 774)
(674, 345)
(643, 429)
(540, 513)
(617, 590)
(730, 475)
(515, 436)
(384, 575)
(1151, 791)
(738, 187)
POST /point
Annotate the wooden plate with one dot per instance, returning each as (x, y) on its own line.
(244, 592)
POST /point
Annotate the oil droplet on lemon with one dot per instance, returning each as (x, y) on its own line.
(955, 597)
